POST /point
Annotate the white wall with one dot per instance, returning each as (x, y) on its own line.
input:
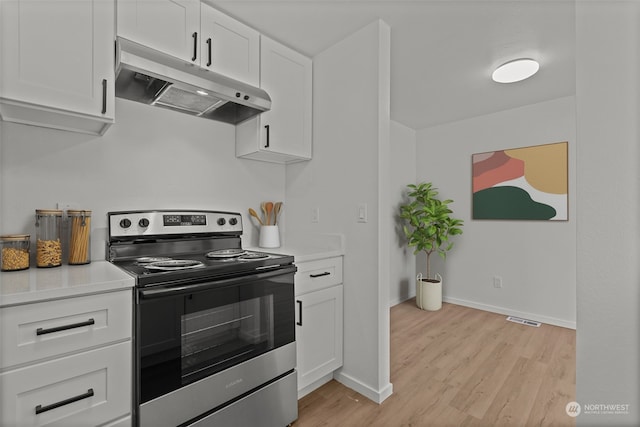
(150, 159)
(536, 259)
(350, 159)
(1, 180)
(608, 111)
(403, 172)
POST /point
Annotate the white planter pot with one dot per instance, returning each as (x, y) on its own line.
(429, 294)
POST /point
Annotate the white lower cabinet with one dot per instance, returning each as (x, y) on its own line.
(85, 389)
(67, 362)
(319, 322)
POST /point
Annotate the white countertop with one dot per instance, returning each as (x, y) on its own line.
(42, 284)
(310, 247)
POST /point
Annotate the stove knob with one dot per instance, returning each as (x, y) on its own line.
(233, 221)
(221, 221)
(144, 222)
(125, 223)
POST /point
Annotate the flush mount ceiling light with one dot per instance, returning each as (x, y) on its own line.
(515, 71)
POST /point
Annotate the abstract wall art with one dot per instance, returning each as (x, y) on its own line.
(529, 183)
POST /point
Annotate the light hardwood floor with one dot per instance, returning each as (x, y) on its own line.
(460, 367)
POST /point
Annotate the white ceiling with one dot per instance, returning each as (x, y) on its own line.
(442, 51)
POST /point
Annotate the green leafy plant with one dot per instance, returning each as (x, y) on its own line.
(429, 222)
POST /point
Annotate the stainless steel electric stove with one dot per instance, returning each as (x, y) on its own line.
(214, 332)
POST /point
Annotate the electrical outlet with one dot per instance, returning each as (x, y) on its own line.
(315, 215)
(497, 282)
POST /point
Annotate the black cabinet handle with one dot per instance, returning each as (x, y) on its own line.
(40, 409)
(299, 322)
(266, 145)
(209, 48)
(41, 331)
(195, 46)
(326, 273)
(104, 96)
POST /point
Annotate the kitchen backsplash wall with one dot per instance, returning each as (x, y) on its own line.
(149, 159)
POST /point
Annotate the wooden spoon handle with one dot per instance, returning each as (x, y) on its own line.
(255, 215)
(269, 207)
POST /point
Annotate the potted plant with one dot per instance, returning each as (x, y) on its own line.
(429, 226)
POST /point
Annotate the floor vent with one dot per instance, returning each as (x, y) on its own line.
(524, 321)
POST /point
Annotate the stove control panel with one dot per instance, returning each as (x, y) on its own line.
(158, 223)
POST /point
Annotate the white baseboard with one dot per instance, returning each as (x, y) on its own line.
(509, 312)
(377, 396)
(314, 385)
(401, 299)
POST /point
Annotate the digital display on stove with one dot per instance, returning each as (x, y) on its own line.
(181, 220)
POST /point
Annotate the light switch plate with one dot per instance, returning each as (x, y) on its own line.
(362, 212)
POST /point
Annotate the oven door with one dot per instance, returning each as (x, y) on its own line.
(188, 334)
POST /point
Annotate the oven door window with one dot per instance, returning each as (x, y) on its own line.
(216, 338)
(188, 337)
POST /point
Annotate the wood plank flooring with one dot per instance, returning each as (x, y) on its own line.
(460, 367)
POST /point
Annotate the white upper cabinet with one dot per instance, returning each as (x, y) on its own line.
(194, 32)
(283, 134)
(229, 47)
(170, 26)
(57, 64)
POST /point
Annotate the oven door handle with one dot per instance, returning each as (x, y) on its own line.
(164, 291)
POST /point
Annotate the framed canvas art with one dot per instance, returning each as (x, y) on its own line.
(529, 183)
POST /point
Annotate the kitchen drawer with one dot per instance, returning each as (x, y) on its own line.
(314, 275)
(33, 332)
(85, 389)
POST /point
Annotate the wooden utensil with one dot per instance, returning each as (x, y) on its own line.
(255, 215)
(264, 212)
(269, 207)
(276, 211)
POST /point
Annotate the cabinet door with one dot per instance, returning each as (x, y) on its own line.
(319, 322)
(58, 55)
(286, 76)
(229, 47)
(165, 25)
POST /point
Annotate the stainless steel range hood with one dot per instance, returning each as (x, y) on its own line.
(155, 78)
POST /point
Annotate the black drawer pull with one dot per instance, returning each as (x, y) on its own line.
(104, 96)
(209, 49)
(299, 322)
(266, 145)
(40, 409)
(41, 331)
(326, 273)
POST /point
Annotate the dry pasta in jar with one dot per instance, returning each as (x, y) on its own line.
(14, 252)
(48, 244)
(79, 236)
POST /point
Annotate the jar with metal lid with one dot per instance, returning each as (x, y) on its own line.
(48, 244)
(79, 236)
(14, 254)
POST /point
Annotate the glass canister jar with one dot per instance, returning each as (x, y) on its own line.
(15, 252)
(79, 236)
(48, 244)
